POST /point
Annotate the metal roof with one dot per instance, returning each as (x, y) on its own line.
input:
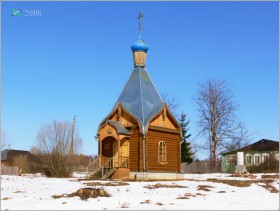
(261, 145)
(140, 97)
(119, 127)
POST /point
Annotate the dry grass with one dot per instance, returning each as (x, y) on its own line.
(64, 202)
(159, 204)
(106, 184)
(151, 180)
(190, 195)
(221, 191)
(85, 193)
(204, 187)
(274, 176)
(159, 185)
(182, 197)
(19, 191)
(5, 198)
(239, 183)
(200, 194)
(124, 205)
(187, 196)
(269, 187)
(236, 183)
(146, 202)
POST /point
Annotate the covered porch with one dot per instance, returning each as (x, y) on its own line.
(113, 152)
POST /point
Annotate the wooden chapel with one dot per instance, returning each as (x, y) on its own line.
(140, 134)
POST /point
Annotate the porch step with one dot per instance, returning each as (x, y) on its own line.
(98, 174)
(109, 173)
(95, 175)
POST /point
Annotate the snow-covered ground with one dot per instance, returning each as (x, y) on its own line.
(34, 192)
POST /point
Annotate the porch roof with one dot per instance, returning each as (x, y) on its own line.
(121, 129)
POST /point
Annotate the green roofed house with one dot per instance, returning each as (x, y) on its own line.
(260, 156)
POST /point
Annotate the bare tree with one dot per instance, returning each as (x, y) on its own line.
(218, 122)
(171, 103)
(54, 146)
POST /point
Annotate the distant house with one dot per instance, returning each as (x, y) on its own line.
(23, 159)
(261, 153)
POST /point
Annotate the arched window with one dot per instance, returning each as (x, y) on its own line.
(161, 151)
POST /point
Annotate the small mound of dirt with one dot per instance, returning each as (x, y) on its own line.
(85, 193)
(222, 191)
(245, 174)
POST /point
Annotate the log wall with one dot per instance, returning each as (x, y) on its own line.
(172, 141)
(134, 150)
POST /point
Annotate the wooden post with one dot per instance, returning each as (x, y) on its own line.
(72, 138)
(119, 146)
(100, 147)
(144, 153)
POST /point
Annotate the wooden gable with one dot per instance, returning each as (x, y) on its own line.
(120, 114)
(107, 130)
(124, 117)
(164, 120)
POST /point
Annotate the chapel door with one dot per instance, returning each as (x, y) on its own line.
(116, 154)
(124, 153)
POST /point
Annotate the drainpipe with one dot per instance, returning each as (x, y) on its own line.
(144, 154)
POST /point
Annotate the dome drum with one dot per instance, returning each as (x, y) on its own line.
(139, 58)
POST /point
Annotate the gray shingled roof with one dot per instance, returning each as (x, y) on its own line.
(119, 127)
(4, 155)
(140, 97)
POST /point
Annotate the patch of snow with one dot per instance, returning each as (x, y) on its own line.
(79, 174)
(35, 193)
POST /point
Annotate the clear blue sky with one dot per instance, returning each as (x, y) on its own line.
(76, 58)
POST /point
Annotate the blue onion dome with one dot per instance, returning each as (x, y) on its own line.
(139, 45)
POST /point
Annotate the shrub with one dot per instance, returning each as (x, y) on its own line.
(272, 166)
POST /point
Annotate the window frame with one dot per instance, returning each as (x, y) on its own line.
(277, 156)
(162, 153)
(246, 159)
(259, 159)
(231, 159)
(264, 159)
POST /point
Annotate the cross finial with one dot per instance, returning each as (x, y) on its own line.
(140, 16)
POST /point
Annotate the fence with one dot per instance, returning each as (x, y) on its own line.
(9, 170)
(201, 167)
